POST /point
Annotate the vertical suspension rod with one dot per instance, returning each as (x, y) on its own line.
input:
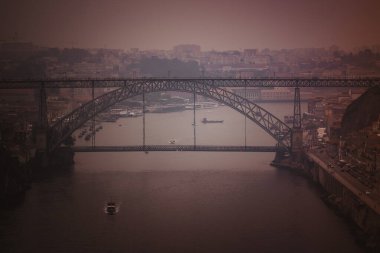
(143, 111)
(194, 124)
(245, 116)
(93, 115)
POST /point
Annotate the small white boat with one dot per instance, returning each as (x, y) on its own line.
(111, 208)
(172, 141)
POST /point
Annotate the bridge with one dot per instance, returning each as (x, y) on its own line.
(172, 148)
(289, 139)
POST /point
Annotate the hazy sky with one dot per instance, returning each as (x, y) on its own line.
(213, 24)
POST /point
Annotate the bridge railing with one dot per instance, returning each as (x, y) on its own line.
(219, 82)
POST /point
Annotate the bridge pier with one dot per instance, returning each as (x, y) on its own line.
(44, 158)
(42, 107)
(41, 130)
(41, 147)
(60, 157)
(279, 157)
(297, 144)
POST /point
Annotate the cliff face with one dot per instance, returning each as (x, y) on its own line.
(362, 112)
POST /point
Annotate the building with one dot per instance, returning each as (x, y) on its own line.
(187, 51)
(258, 94)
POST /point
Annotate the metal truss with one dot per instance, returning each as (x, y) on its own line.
(267, 121)
(184, 148)
(215, 82)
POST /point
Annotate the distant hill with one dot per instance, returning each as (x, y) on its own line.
(362, 112)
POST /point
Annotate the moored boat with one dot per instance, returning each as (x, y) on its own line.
(205, 120)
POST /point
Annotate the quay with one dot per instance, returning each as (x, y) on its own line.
(322, 172)
(352, 199)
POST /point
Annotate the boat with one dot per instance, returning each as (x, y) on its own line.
(172, 141)
(205, 120)
(208, 105)
(134, 114)
(111, 208)
(82, 133)
(168, 108)
(191, 106)
(123, 114)
(88, 137)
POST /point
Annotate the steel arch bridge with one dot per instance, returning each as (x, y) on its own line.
(63, 128)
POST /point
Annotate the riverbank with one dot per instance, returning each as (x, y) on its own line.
(359, 211)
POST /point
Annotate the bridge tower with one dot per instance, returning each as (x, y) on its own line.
(42, 121)
(41, 128)
(296, 143)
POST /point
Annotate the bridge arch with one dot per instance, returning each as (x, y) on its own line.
(263, 118)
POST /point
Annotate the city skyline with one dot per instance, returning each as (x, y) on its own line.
(214, 25)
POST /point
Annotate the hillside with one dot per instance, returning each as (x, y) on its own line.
(362, 112)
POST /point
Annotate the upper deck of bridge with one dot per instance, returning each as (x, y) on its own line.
(219, 82)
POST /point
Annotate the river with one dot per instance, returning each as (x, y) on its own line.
(176, 201)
